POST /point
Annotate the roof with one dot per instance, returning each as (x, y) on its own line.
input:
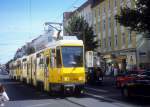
(95, 2)
(63, 42)
(83, 6)
(70, 38)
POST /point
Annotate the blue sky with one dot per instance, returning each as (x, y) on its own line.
(22, 20)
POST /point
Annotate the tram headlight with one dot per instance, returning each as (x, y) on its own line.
(81, 78)
(66, 79)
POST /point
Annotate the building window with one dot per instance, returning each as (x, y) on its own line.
(49, 39)
(110, 42)
(104, 9)
(98, 26)
(95, 14)
(86, 17)
(109, 22)
(90, 17)
(121, 1)
(99, 11)
(123, 38)
(115, 3)
(104, 43)
(115, 23)
(109, 4)
(129, 3)
(104, 24)
(100, 43)
(129, 37)
(116, 40)
(94, 28)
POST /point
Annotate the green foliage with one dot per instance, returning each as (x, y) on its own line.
(79, 27)
(136, 19)
(7, 64)
(30, 50)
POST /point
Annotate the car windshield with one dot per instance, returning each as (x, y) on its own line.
(72, 56)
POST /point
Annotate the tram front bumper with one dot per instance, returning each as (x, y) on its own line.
(73, 88)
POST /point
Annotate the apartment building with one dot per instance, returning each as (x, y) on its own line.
(83, 11)
(117, 43)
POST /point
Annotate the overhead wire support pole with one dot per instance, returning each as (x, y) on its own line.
(56, 23)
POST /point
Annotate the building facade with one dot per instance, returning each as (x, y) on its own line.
(84, 11)
(66, 18)
(117, 43)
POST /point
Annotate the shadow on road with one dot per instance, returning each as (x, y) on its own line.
(18, 91)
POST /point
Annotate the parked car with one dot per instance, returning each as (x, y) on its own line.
(140, 86)
(94, 75)
(126, 76)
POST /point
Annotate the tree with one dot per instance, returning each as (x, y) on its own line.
(7, 65)
(136, 19)
(79, 27)
(30, 50)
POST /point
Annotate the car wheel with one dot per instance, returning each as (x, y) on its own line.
(125, 92)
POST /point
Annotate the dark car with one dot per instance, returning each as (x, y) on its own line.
(140, 86)
(124, 77)
(94, 75)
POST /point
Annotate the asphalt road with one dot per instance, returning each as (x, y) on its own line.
(22, 95)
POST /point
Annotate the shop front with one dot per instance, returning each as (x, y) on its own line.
(122, 61)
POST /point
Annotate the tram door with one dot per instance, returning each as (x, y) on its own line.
(46, 72)
(30, 70)
(27, 72)
(34, 71)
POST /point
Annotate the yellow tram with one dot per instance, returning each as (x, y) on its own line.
(60, 67)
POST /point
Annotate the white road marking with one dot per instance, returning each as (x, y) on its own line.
(39, 105)
(98, 96)
(98, 90)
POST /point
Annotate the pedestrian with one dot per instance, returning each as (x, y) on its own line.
(116, 70)
(3, 95)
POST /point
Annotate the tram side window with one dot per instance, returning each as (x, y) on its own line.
(52, 58)
(58, 58)
(37, 63)
(47, 61)
(41, 63)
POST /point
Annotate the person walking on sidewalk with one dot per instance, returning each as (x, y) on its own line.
(3, 95)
